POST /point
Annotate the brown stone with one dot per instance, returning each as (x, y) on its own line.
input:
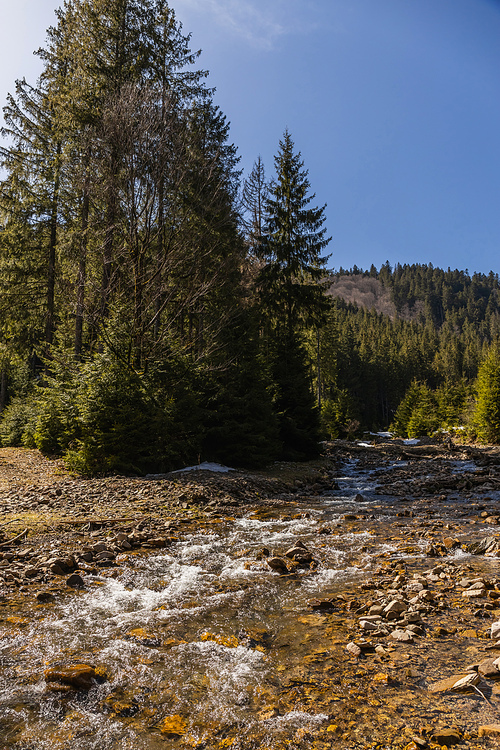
(78, 676)
(277, 564)
(447, 737)
(353, 649)
(173, 726)
(45, 596)
(489, 669)
(75, 581)
(142, 636)
(447, 684)
(489, 730)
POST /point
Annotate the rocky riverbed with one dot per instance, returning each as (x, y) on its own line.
(353, 602)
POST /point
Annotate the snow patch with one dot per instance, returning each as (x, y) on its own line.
(205, 466)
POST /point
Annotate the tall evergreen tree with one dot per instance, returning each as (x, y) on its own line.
(254, 197)
(291, 295)
(487, 414)
(291, 245)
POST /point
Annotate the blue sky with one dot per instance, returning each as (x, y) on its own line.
(394, 104)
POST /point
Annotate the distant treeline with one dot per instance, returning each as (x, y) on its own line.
(439, 331)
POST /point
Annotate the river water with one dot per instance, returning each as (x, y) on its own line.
(202, 644)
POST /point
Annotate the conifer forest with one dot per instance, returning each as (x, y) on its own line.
(159, 307)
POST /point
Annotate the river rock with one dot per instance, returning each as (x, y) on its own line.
(426, 596)
(300, 555)
(414, 617)
(44, 597)
(324, 605)
(104, 555)
(489, 668)
(474, 593)
(368, 626)
(442, 686)
(78, 676)
(394, 609)
(277, 564)
(145, 638)
(447, 737)
(495, 630)
(489, 730)
(353, 649)
(464, 684)
(487, 546)
(402, 636)
(75, 581)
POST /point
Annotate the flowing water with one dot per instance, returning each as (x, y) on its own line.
(202, 644)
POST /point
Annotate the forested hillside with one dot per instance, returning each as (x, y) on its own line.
(158, 308)
(430, 346)
(143, 322)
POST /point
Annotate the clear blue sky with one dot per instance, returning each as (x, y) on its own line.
(394, 104)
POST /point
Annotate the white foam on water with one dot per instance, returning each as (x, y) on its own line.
(227, 672)
(236, 569)
(257, 527)
(190, 551)
(324, 578)
(299, 719)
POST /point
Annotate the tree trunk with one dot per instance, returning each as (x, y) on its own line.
(3, 389)
(82, 264)
(51, 262)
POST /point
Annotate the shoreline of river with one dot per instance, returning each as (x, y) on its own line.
(370, 648)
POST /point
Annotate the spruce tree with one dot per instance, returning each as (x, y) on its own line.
(254, 198)
(292, 296)
(291, 245)
(487, 413)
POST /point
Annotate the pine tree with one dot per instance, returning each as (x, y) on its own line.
(487, 413)
(292, 296)
(254, 197)
(291, 245)
(127, 228)
(30, 202)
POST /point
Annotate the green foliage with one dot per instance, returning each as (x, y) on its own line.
(424, 419)
(144, 321)
(241, 425)
(17, 422)
(337, 414)
(424, 411)
(291, 245)
(453, 401)
(119, 426)
(486, 419)
(417, 414)
(297, 414)
(56, 425)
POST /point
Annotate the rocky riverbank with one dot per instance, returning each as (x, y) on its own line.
(406, 657)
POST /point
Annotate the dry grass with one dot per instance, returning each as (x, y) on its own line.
(22, 466)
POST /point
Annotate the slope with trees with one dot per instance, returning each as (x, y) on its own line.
(134, 335)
